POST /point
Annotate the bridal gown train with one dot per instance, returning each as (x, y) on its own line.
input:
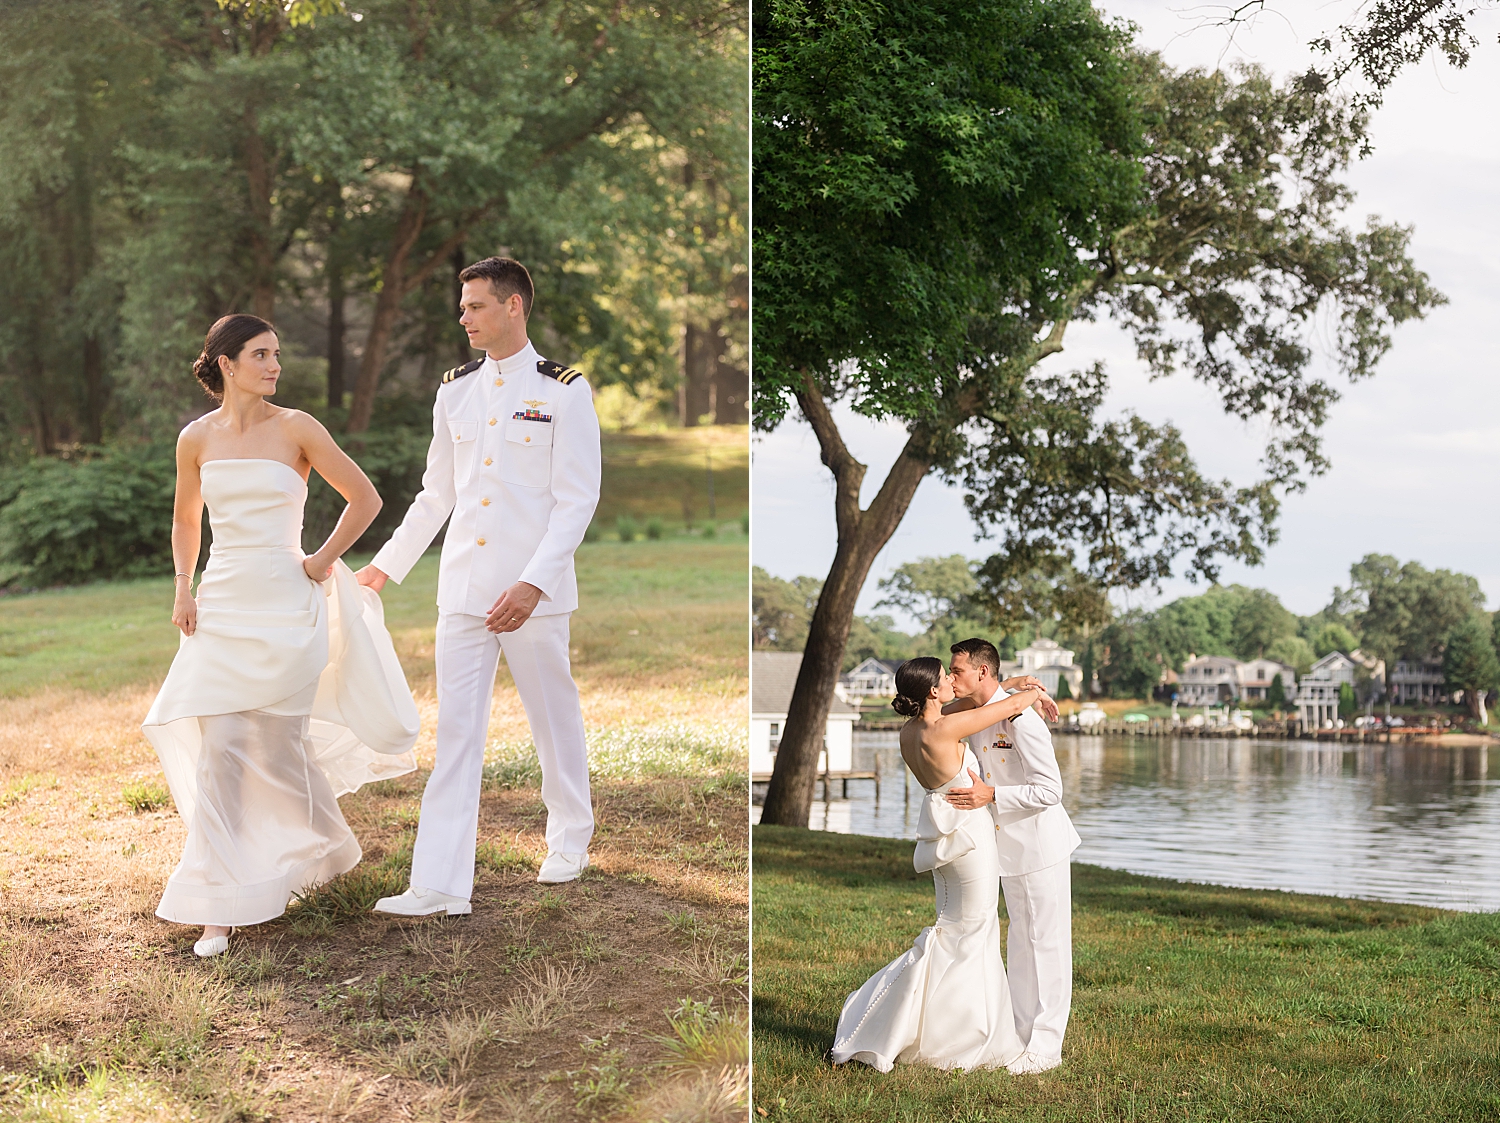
(945, 1002)
(287, 695)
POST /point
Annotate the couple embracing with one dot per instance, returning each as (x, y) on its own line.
(991, 819)
(286, 691)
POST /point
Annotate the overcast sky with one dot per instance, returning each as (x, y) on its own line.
(1415, 450)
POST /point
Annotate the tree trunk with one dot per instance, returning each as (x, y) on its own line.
(335, 270)
(262, 242)
(393, 286)
(861, 536)
(699, 354)
(95, 396)
(731, 385)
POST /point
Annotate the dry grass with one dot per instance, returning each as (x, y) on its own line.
(549, 1003)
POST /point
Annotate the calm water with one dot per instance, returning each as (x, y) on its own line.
(1394, 823)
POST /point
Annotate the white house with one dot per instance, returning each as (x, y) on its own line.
(874, 678)
(773, 675)
(1209, 680)
(1051, 662)
(1318, 690)
(1256, 677)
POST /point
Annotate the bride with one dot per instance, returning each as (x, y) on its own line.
(945, 1002)
(285, 692)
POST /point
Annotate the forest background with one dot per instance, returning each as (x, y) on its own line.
(331, 168)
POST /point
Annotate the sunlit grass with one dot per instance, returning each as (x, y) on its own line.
(1190, 1002)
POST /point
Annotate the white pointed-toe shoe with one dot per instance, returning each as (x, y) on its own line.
(1028, 1064)
(423, 902)
(212, 945)
(559, 867)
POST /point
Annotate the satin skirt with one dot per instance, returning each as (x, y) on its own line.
(287, 696)
(945, 1002)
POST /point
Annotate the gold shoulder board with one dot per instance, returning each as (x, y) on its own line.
(563, 374)
(459, 372)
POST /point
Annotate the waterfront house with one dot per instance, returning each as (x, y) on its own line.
(1209, 680)
(1418, 681)
(1051, 662)
(773, 675)
(874, 678)
(1256, 676)
(1318, 690)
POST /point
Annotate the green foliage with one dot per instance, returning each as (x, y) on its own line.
(914, 162)
(1294, 651)
(781, 610)
(1276, 693)
(1334, 637)
(101, 515)
(394, 459)
(654, 529)
(929, 589)
(1064, 691)
(1406, 611)
(626, 528)
(145, 795)
(1346, 700)
(1469, 660)
(1131, 668)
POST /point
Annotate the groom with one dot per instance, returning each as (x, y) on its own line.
(515, 460)
(1022, 787)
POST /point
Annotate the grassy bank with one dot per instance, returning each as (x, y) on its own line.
(666, 475)
(620, 995)
(1190, 1002)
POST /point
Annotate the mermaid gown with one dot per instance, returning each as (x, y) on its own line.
(287, 695)
(945, 1002)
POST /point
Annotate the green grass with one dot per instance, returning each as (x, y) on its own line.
(665, 475)
(116, 635)
(1191, 1002)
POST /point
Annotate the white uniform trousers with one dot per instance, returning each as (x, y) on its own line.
(1039, 948)
(467, 656)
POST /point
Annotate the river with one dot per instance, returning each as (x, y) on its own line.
(1419, 824)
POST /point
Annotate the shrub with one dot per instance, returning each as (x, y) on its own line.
(654, 528)
(626, 528)
(106, 513)
(394, 459)
(709, 530)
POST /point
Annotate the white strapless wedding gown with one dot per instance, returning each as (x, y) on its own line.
(287, 695)
(945, 1002)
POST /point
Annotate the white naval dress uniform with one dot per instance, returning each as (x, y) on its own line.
(1035, 839)
(515, 460)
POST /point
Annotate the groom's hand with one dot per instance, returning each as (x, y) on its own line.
(1046, 707)
(371, 577)
(514, 608)
(966, 799)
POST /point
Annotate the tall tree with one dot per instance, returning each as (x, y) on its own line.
(1470, 665)
(941, 189)
(1406, 611)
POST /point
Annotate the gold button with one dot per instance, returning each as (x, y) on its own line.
(487, 461)
(484, 502)
(492, 421)
(456, 437)
(528, 440)
(499, 382)
(481, 541)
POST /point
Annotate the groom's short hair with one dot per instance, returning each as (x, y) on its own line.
(979, 651)
(507, 278)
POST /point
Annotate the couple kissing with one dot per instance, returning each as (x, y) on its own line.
(991, 820)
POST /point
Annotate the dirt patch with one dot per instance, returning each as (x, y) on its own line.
(619, 995)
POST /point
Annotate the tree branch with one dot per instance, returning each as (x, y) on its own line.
(848, 473)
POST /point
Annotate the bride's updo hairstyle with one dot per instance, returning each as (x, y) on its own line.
(227, 337)
(915, 679)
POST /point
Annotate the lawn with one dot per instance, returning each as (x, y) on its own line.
(1191, 1002)
(620, 995)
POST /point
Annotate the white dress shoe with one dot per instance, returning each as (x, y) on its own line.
(562, 867)
(212, 945)
(1028, 1063)
(423, 902)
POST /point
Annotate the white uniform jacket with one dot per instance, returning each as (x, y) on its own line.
(1032, 829)
(515, 460)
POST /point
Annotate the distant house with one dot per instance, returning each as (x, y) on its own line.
(874, 678)
(1209, 680)
(1256, 677)
(1051, 662)
(1318, 690)
(1418, 681)
(773, 675)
